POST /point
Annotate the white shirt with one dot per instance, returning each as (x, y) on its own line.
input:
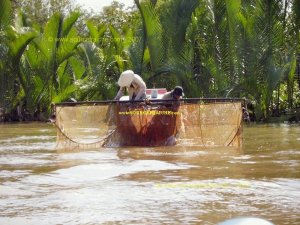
(138, 90)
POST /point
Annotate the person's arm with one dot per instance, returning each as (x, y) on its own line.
(166, 96)
(120, 93)
(142, 86)
(130, 93)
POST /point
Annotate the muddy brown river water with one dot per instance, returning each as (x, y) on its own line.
(162, 185)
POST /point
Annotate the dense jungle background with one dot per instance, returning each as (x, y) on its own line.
(53, 51)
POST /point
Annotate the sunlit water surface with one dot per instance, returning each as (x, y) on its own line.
(167, 185)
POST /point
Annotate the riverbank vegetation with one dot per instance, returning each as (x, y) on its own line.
(54, 51)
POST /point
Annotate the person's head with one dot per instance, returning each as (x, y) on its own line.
(177, 92)
(126, 78)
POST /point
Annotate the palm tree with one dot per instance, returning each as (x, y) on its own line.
(106, 55)
(48, 72)
(165, 43)
(15, 41)
(238, 46)
(292, 37)
(268, 27)
(6, 84)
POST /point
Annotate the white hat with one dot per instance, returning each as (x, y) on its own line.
(126, 78)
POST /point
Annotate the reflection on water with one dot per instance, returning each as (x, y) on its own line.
(167, 185)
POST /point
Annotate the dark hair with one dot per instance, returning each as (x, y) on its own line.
(178, 91)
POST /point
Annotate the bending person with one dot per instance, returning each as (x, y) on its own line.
(134, 84)
(175, 94)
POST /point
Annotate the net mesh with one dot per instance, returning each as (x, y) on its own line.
(125, 124)
(213, 124)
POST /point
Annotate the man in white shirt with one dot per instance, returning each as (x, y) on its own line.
(134, 84)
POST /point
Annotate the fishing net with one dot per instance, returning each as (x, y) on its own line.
(212, 124)
(82, 126)
(96, 125)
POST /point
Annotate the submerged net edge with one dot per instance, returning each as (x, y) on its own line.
(67, 143)
(64, 143)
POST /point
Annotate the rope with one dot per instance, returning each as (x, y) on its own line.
(238, 125)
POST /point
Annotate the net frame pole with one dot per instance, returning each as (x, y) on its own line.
(185, 100)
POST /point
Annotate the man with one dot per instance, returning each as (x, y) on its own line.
(134, 84)
(175, 94)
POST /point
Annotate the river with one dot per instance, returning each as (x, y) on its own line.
(162, 185)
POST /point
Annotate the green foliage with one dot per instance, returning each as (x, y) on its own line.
(40, 11)
(5, 10)
(167, 52)
(214, 48)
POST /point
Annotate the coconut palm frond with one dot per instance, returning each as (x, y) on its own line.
(152, 34)
(175, 18)
(5, 10)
